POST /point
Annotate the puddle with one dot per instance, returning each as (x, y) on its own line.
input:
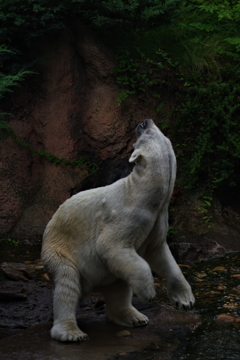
(171, 335)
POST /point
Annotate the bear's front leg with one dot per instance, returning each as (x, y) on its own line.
(179, 290)
(127, 265)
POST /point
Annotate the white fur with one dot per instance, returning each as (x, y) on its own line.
(110, 238)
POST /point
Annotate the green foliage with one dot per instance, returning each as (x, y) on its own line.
(81, 162)
(143, 75)
(206, 203)
(34, 18)
(171, 232)
(133, 14)
(217, 22)
(195, 57)
(7, 82)
(208, 129)
(9, 241)
(205, 207)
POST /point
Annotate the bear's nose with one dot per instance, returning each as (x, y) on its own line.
(144, 124)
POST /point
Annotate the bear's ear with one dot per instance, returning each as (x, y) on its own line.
(136, 155)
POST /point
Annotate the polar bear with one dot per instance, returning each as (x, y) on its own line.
(111, 238)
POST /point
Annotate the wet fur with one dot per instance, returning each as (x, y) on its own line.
(110, 239)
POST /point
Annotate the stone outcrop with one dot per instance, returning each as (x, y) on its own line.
(201, 232)
(68, 109)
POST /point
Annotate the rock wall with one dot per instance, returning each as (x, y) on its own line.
(68, 109)
(203, 233)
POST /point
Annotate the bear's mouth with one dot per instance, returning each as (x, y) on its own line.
(143, 125)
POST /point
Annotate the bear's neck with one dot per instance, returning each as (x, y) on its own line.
(147, 189)
(149, 176)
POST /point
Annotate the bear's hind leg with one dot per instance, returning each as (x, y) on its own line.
(65, 302)
(119, 307)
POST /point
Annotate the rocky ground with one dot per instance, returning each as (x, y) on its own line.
(26, 317)
(26, 303)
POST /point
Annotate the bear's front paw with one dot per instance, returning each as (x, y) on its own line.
(181, 295)
(67, 331)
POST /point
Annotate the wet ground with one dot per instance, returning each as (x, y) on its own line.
(209, 332)
(216, 285)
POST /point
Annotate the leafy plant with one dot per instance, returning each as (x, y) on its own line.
(7, 82)
(143, 74)
(205, 207)
(207, 203)
(209, 130)
(9, 241)
(81, 162)
(196, 58)
(171, 232)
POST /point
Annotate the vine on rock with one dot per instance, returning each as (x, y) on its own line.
(81, 162)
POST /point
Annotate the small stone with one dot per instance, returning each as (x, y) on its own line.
(225, 318)
(230, 306)
(219, 268)
(14, 274)
(38, 267)
(16, 271)
(157, 284)
(212, 292)
(123, 333)
(201, 275)
(235, 275)
(184, 266)
(236, 290)
(228, 318)
(14, 265)
(221, 287)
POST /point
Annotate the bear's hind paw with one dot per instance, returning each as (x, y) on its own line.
(67, 331)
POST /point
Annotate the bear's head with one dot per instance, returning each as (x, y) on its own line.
(149, 143)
